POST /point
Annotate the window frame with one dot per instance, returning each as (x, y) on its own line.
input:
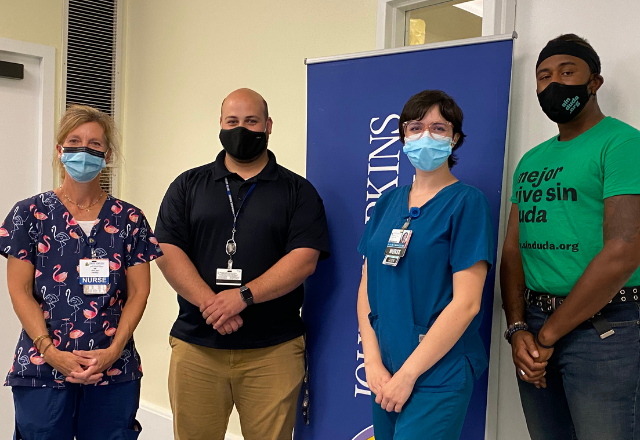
(499, 17)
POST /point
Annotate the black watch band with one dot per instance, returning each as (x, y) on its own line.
(246, 295)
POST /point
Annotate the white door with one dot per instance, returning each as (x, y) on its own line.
(24, 123)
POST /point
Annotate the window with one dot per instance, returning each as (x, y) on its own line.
(92, 63)
(450, 21)
(415, 22)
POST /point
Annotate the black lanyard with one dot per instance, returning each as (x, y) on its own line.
(231, 246)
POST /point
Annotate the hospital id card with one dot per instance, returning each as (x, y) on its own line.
(229, 277)
(398, 243)
(390, 261)
(396, 247)
(94, 276)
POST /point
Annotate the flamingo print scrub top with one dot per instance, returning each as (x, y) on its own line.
(41, 230)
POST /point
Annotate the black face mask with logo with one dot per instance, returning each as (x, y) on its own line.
(562, 103)
(243, 144)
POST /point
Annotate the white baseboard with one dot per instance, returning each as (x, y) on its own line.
(157, 423)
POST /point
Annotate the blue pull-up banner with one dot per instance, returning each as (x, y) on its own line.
(353, 156)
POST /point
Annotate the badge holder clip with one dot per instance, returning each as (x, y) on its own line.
(398, 242)
(230, 276)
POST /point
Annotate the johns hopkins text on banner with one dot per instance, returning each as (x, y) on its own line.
(353, 156)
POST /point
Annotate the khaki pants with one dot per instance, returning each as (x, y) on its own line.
(263, 383)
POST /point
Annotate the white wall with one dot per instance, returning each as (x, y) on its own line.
(612, 29)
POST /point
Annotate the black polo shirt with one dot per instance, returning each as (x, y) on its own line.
(284, 212)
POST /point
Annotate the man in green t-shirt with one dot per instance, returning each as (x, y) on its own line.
(569, 273)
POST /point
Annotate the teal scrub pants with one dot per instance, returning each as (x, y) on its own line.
(427, 415)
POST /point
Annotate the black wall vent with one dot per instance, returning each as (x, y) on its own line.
(91, 54)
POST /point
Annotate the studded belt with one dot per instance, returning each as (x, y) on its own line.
(549, 303)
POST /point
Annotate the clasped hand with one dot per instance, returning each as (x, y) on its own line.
(529, 358)
(83, 367)
(221, 311)
(392, 392)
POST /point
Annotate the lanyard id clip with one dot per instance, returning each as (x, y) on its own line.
(399, 241)
(229, 276)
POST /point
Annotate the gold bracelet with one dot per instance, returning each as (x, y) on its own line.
(45, 349)
(39, 338)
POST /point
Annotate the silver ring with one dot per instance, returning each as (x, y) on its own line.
(522, 373)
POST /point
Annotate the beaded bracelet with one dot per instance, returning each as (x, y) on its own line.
(515, 327)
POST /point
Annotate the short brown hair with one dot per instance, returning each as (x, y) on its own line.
(75, 116)
(419, 104)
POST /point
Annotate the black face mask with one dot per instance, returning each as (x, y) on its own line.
(243, 144)
(562, 103)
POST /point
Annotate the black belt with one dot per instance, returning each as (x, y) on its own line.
(549, 303)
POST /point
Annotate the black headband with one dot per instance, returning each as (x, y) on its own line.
(570, 48)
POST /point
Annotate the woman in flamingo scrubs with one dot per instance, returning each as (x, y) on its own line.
(78, 277)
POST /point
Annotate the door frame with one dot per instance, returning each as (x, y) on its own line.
(47, 57)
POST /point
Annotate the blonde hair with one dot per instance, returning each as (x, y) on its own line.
(75, 116)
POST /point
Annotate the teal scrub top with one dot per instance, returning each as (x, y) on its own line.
(452, 232)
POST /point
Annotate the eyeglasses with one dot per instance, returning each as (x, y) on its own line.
(412, 128)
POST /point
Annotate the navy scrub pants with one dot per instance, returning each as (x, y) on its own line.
(426, 415)
(83, 412)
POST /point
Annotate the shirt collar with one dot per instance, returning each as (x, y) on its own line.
(269, 172)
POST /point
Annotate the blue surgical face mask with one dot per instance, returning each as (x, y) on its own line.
(83, 163)
(427, 153)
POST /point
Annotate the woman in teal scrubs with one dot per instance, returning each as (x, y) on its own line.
(419, 300)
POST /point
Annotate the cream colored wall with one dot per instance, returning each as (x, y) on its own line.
(39, 22)
(181, 60)
(36, 21)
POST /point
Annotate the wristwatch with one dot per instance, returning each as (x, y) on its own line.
(246, 295)
(515, 327)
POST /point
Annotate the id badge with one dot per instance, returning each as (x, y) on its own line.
(390, 261)
(398, 243)
(94, 276)
(229, 277)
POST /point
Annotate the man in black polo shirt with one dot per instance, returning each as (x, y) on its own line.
(240, 235)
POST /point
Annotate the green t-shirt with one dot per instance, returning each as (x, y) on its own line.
(560, 188)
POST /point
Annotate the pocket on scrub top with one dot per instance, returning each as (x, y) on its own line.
(449, 373)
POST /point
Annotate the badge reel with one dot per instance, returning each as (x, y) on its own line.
(94, 275)
(229, 276)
